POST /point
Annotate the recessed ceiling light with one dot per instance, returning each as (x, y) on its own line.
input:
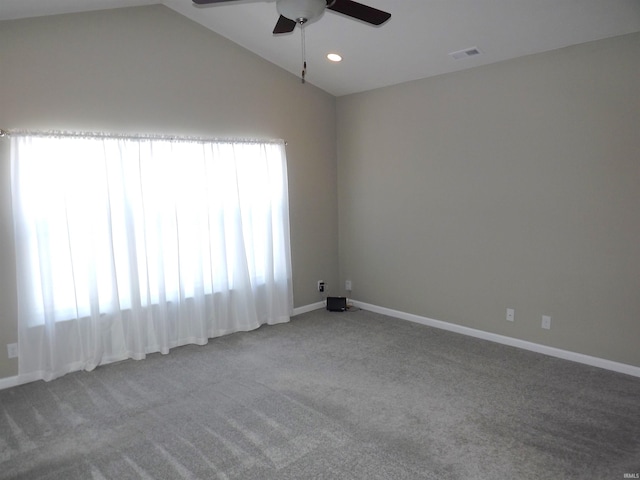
(334, 57)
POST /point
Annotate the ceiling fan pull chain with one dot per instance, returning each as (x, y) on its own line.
(304, 52)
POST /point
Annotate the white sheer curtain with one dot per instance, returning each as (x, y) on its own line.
(127, 246)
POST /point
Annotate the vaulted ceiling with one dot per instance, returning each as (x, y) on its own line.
(415, 43)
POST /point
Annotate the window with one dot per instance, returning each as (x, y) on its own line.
(180, 239)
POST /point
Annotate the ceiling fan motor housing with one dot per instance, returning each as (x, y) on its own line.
(300, 11)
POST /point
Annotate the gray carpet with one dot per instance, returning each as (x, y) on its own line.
(328, 396)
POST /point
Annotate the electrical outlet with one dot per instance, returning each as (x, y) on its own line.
(347, 285)
(321, 286)
(12, 350)
(511, 314)
(546, 322)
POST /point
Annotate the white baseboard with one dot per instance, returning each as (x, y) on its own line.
(512, 342)
(308, 308)
(8, 382)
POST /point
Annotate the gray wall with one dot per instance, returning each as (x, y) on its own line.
(150, 70)
(511, 185)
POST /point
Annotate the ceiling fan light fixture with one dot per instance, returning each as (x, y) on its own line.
(334, 57)
(300, 11)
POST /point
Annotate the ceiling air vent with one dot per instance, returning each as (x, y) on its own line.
(466, 53)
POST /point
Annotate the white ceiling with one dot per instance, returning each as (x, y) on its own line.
(413, 44)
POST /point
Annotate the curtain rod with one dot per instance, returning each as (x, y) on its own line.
(7, 133)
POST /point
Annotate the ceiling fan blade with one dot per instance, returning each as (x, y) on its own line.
(361, 12)
(284, 25)
(209, 2)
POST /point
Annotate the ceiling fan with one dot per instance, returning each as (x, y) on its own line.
(299, 12)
